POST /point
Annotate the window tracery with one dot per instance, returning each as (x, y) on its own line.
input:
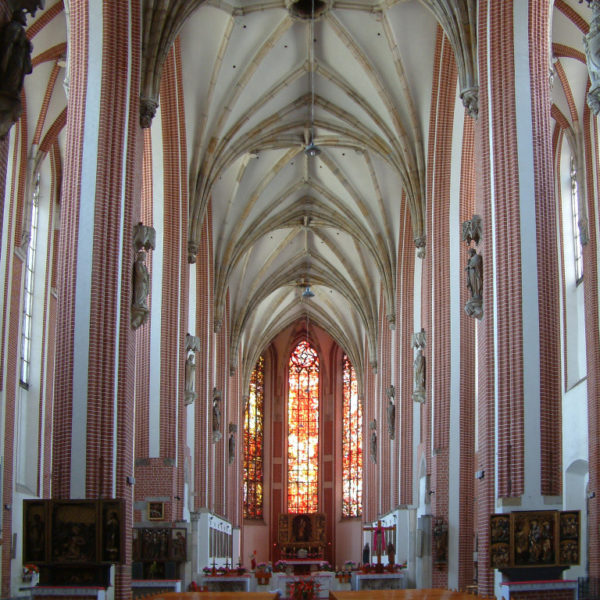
(303, 430)
(351, 443)
(253, 444)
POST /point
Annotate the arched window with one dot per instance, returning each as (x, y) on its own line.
(351, 443)
(253, 444)
(303, 430)
(28, 287)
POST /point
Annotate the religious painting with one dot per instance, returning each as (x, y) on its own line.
(155, 543)
(301, 528)
(156, 511)
(73, 533)
(534, 538)
(500, 541)
(569, 538)
(35, 528)
(111, 531)
(178, 546)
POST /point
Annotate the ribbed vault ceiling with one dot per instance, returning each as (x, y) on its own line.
(283, 220)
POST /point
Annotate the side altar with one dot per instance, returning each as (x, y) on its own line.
(302, 535)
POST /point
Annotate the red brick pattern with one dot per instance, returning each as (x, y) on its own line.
(484, 489)
(509, 362)
(13, 309)
(142, 340)
(63, 389)
(592, 340)
(467, 377)
(547, 251)
(404, 353)
(438, 339)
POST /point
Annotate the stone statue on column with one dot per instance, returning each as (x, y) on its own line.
(190, 379)
(216, 416)
(471, 232)
(231, 442)
(391, 412)
(15, 61)
(192, 345)
(373, 442)
(144, 237)
(419, 342)
(592, 53)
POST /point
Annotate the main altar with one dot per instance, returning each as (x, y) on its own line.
(302, 536)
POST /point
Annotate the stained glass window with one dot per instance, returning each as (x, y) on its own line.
(253, 444)
(303, 430)
(351, 444)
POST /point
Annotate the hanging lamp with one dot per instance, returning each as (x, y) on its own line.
(312, 149)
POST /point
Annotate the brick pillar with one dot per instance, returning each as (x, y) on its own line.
(93, 451)
(592, 341)
(518, 336)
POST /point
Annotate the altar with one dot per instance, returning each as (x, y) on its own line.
(228, 583)
(377, 581)
(302, 536)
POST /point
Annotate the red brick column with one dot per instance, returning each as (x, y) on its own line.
(467, 378)
(438, 335)
(592, 341)
(95, 343)
(404, 355)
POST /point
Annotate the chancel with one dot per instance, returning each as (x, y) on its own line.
(300, 296)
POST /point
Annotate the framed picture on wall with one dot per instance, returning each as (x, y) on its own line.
(156, 511)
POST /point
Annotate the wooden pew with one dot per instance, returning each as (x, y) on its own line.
(428, 594)
(213, 596)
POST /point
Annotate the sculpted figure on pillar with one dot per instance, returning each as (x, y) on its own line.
(143, 238)
(141, 288)
(190, 379)
(216, 416)
(391, 412)
(231, 442)
(419, 342)
(15, 61)
(373, 444)
(592, 53)
(474, 269)
(471, 232)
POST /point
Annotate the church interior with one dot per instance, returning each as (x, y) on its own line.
(299, 287)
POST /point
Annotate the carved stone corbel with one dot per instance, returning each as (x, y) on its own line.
(421, 245)
(192, 251)
(192, 343)
(15, 61)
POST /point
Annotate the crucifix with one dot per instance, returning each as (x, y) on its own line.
(378, 538)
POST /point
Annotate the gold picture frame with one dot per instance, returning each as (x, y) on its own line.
(156, 511)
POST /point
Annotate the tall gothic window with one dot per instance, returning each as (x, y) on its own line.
(577, 250)
(28, 287)
(303, 430)
(351, 443)
(253, 444)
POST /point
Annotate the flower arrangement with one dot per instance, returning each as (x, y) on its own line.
(30, 569)
(280, 565)
(262, 566)
(304, 589)
(207, 570)
(325, 566)
(349, 565)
